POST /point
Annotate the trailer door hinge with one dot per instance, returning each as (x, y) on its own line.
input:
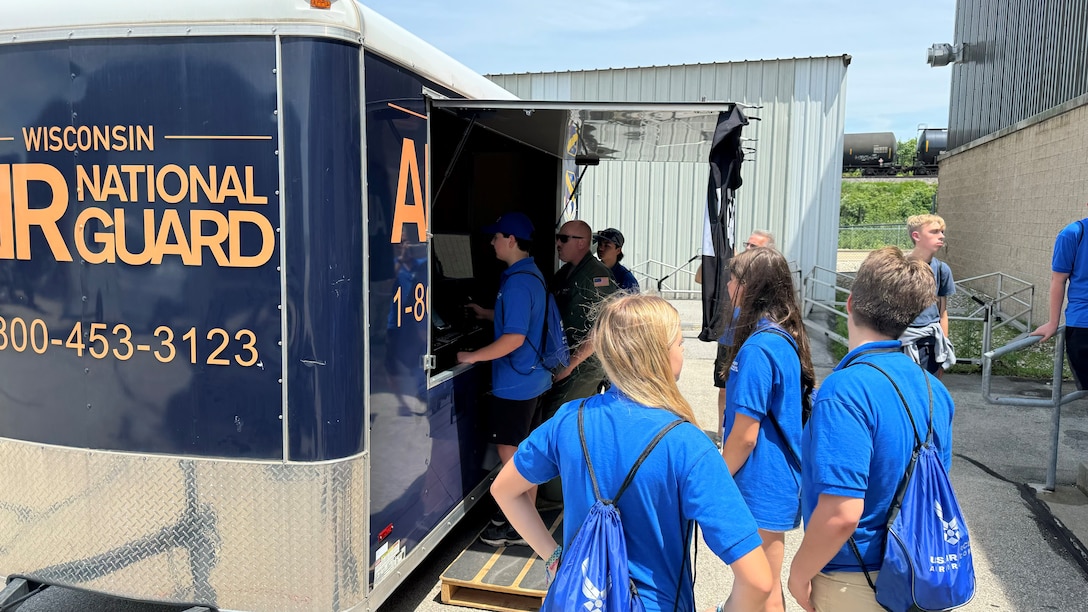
(428, 362)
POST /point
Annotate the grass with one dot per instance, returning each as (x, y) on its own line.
(1035, 362)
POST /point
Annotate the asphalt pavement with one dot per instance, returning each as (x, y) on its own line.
(1027, 542)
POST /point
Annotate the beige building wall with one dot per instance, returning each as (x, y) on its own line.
(1006, 196)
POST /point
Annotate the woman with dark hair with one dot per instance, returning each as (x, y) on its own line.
(770, 380)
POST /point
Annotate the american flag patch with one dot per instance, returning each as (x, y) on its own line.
(600, 281)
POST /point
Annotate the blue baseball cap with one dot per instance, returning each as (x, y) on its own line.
(512, 224)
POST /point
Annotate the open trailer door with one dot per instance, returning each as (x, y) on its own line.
(584, 134)
(487, 158)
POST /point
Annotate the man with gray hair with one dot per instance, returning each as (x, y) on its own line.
(759, 238)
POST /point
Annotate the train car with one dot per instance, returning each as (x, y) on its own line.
(873, 153)
(931, 143)
(236, 241)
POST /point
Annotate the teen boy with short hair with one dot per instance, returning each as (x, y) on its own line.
(858, 442)
(518, 377)
(926, 339)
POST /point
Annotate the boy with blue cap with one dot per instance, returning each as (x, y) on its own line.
(518, 374)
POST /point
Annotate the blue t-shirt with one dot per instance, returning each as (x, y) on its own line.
(519, 309)
(945, 287)
(858, 441)
(765, 378)
(683, 479)
(1069, 248)
(624, 278)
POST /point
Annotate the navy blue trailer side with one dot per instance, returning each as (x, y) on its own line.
(235, 243)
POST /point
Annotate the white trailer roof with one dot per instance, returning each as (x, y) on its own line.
(346, 19)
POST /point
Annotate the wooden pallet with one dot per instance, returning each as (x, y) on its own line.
(508, 579)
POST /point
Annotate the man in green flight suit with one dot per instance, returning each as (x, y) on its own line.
(579, 286)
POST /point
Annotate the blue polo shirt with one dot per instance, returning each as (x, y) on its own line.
(519, 309)
(684, 478)
(858, 441)
(765, 379)
(1071, 248)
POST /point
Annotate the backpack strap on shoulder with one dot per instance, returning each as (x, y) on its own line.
(914, 426)
(630, 474)
(543, 330)
(645, 453)
(917, 447)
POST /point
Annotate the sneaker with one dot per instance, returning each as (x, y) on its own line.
(498, 519)
(504, 535)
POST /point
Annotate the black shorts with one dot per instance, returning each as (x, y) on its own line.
(721, 366)
(927, 357)
(510, 421)
(1076, 349)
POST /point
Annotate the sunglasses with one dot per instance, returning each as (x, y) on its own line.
(565, 237)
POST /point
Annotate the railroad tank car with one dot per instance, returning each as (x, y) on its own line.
(931, 143)
(870, 152)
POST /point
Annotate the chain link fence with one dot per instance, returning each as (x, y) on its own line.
(869, 237)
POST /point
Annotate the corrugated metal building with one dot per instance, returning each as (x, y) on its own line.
(1018, 132)
(1018, 59)
(792, 179)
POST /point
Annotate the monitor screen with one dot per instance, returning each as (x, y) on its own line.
(454, 254)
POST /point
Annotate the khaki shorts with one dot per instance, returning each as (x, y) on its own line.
(844, 592)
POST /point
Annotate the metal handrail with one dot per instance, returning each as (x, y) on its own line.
(1014, 296)
(989, 311)
(808, 302)
(671, 270)
(1056, 398)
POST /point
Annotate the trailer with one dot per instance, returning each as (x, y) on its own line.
(236, 241)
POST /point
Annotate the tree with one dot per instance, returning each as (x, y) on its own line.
(908, 152)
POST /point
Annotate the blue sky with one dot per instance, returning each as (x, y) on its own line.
(889, 85)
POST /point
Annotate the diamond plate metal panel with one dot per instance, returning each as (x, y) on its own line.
(235, 535)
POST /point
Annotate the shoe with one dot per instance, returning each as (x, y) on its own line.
(499, 519)
(504, 535)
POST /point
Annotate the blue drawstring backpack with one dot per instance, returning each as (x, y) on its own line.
(593, 575)
(927, 563)
(552, 350)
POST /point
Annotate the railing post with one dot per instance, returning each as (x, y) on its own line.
(1000, 293)
(1031, 306)
(1056, 411)
(988, 328)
